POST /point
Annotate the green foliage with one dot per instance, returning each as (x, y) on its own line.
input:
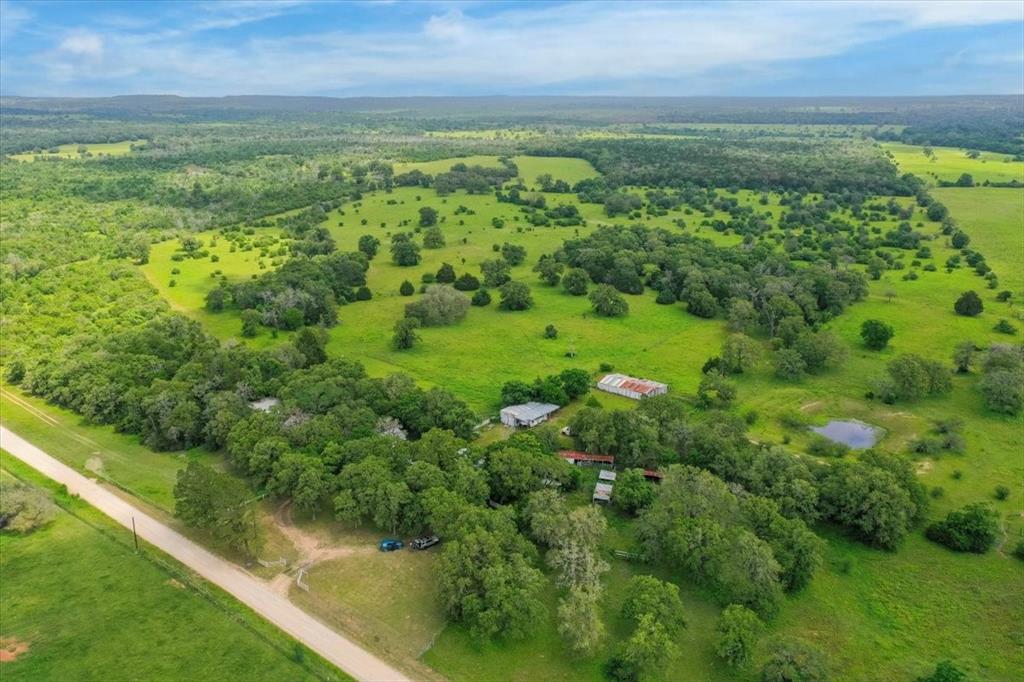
(736, 634)
(633, 492)
(24, 508)
(405, 336)
(794, 660)
(439, 306)
(219, 503)
(969, 304)
(608, 302)
(974, 528)
(876, 334)
(515, 296)
(576, 281)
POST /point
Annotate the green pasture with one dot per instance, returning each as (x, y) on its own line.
(949, 163)
(81, 151)
(89, 607)
(444, 165)
(872, 611)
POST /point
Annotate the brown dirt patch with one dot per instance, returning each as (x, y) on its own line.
(175, 583)
(11, 648)
(810, 406)
(924, 466)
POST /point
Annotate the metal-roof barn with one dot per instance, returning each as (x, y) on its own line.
(631, 387)
(605, 475)
(527, 414)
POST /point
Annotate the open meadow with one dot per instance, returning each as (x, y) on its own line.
(948, 164)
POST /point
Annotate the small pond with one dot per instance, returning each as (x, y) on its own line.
(850, 432)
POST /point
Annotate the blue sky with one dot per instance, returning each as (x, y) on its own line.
(297, 47)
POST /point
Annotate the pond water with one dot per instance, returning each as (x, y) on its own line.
(850, 432)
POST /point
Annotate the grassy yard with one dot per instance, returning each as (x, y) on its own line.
(87, 607)
(949, 163)
(81, 151)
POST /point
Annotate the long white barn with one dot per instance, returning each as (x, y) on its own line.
(631, 387)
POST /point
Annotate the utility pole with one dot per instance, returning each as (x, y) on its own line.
(135, 535)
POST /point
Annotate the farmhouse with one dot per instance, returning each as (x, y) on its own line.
(528, 414)
(602, 493)
(620, 384)
(585, 458)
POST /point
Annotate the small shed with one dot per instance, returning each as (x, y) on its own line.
(631, 387)
(653, 475)
(605, 475)
(585, 458)
(526, 415)
(602, 493)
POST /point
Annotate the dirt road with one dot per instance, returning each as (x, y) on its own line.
(252, 592)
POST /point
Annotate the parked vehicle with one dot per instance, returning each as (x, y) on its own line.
(425, 541)
(389, 545)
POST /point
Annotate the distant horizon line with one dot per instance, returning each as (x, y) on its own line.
(508, 96)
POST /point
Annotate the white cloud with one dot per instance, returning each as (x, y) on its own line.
(82, 43)
(529, 46)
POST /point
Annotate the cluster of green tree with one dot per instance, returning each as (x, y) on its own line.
(558, 389)
(877, 498)
(759, 287)
(1002, 374)
(761, 164)
(653, 610)
(974, 528)
(219, 503)
(472, 179)
(90, 298)
(910, 377)
(303, 291)
(571, 539)
(738, 543)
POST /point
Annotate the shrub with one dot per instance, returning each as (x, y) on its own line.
(467, 282)
(24, 508)
(969, 304)
(550, 332)
(1004, 327)
(794, 660)
(481, 298)
(608, 302)
(407, 289)
(823, 447)
(876, 334)
(1002, 492)
(363, 294)
(971, 529)
(440, 305)
(515, 296)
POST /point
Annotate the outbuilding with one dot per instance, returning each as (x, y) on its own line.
(631, 387)
(605, 475)
(585, 458)
(602, 493)
(526, 415)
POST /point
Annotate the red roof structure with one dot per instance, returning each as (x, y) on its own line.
(577, 456)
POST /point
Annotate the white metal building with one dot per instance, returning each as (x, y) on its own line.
(602, 493)
(528, 414)
(620, 384)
